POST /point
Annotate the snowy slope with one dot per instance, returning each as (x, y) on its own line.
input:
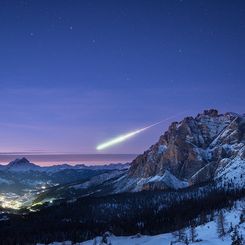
(234, 171)
(167, 180)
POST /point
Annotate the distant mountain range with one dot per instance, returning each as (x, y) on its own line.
(23, 164)
(21, 175)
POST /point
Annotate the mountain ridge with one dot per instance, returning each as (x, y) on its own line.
(194, 150)
(23, 164)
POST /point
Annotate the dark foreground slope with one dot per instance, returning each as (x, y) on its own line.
(147, 212)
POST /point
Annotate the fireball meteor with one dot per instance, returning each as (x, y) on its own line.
(120, 138)
(126, 136)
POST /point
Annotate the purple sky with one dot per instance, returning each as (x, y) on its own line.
(76, 73)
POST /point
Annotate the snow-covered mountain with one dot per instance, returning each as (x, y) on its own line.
(210, 146)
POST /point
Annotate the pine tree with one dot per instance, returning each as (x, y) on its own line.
(242, 217)
(95, 241)
(106, 238)
(231, 228)
(193, 233)
(221, 224)
(236, 238)
(179, 235)
(186, 240)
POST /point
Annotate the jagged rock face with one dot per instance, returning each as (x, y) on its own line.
(194, 148)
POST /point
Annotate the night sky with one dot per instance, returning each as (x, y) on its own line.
(76, 73)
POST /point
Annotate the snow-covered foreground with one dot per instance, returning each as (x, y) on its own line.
(206, 234)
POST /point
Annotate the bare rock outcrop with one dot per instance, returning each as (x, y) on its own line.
(192, 150)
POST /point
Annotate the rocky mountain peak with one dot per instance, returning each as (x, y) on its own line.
(194, 148)
(21, 163)
(211, 113)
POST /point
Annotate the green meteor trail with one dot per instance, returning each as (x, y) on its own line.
(126, 136)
